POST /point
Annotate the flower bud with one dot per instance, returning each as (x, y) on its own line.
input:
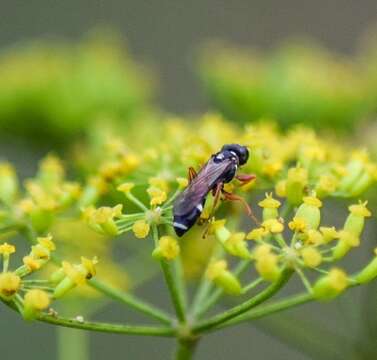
(236, 245)
(326, 185)
(330, 285)
(270, 207)
(329, 233)
(297, 180)
(257, 234)
(9, 285)
(266, 263)
(218, 273)
(157, 195)
(273, 226)
(34, 302)
(141, 229)
(311, 256)
(309, 212)
(167, 248)
(347, 241)
(218, 228)
(355, 220)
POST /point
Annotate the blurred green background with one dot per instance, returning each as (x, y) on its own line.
(163, 37)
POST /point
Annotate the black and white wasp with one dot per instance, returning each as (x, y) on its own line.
(221, 168)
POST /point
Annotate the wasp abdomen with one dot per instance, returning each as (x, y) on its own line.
(183, 223)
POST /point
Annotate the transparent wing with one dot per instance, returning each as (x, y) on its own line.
(194, 194)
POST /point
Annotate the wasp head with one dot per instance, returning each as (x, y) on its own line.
(242, 152)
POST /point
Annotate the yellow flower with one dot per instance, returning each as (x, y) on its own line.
(269, 202)
(330, 285)
(311, 256)
(74, 273)
(326, 185)
(159, 183)
(257, 234)
(329, 233)
(274, 226)
(7, 249)
(89, 266)
(40, 252)
(182, 182)
(126, 187)
(103, 218)
(36, 299)
(266, 265)
(104, 214)
(360, 210)
(297, 224)
(129, 162)
(31, 263)
(312, 201)
(281, 188)
(217, 272)
(9, 284)
(314, 237)
(141, 229)
(47, 242)
(157, 195)
(349, 238)
(236, 245)
(216, 268)
(167, 248)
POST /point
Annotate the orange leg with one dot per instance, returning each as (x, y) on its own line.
(234, 197)
(192, 174)
(245, 178)
(216, 192)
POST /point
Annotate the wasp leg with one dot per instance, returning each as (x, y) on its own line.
(234, 197)
(216, 192)
(245, 178)
(192, 174)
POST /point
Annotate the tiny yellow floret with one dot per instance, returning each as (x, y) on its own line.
(141, 229)
(7, 249)
(297, 224)
(311, 256)
(360, 209)
(9, 284)
(273, 226)
(157, 195)
(269, 202)
(182, 182)
(126, 187)
(36, 299)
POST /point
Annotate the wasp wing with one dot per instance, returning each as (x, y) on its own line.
(200, 186)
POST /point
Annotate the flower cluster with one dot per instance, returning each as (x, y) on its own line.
(33, 295)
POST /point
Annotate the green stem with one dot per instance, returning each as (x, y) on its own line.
(205, 286)
(115, 294)
(131, 301)
(72, 344)
(107, 327)
(100, 326)
(270, 309)
(244, 307)
(176, 297)
(185, 349)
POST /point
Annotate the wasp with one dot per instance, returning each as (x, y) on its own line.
(220, 169)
